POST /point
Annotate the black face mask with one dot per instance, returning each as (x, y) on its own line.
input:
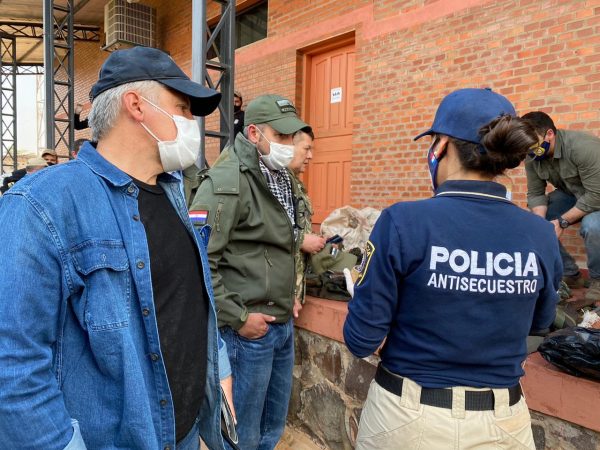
(50, 163)
(237, 108)
(541, 152)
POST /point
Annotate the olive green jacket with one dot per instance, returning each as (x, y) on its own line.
(304, 212)
(251, 247)
(574, 169)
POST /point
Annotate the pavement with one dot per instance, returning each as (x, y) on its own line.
(294, 439)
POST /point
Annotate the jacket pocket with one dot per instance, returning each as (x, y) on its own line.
(104, 269)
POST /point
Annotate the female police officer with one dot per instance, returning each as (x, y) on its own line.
(454, 284)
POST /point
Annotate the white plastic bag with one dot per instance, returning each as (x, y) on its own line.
(590, 320)
(354, 225)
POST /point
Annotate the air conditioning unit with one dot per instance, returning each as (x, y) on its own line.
(128, 24)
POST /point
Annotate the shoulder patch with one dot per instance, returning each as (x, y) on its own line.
(199, 217)
(364, 264)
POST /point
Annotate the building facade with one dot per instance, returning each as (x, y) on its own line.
(368, 76)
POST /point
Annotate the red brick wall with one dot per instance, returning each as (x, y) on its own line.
(390, 8)
(288, 16)
(541, 54)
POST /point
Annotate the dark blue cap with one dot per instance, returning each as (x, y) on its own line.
(462, 113)
(145, 63)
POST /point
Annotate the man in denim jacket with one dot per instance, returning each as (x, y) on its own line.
(108, 329)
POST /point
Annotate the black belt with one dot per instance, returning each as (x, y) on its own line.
(442, 398)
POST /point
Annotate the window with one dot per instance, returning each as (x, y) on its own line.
(250, 26)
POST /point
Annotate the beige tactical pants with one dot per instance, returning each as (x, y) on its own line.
(402, 423)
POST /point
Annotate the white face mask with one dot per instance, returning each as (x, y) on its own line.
(184, 150)
(280, 155)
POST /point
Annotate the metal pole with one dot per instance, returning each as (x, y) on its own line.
(71, 77)
(59, 74)
(198, 65)
(8, 103)
(49, 71)
(225, 32)
(228, 60)
(14, 105)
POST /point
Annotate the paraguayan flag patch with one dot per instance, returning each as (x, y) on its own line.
(199, 217)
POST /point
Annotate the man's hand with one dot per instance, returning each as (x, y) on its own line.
(227, 386)
(297, 308)
(256, 326)
(312, 243)
(78, 108)
(557, 229)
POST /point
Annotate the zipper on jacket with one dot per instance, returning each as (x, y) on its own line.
(218, 216)
(268, 265)
(262, 182)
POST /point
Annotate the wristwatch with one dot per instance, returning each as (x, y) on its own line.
(564, 223)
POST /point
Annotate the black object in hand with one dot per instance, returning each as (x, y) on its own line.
(337, 239)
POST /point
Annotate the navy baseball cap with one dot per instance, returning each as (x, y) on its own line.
(462, 113)
(145, 63)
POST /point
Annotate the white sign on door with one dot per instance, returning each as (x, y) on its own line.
(336, 95)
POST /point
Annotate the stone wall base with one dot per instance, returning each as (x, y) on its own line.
(551, 433)
(331, 385)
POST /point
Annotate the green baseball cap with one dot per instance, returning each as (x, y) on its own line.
(276, 111)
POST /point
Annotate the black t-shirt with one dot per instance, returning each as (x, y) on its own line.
(180, 300)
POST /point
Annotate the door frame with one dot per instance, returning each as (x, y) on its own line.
(307, 53)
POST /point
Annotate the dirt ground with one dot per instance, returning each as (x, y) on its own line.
(295, 440)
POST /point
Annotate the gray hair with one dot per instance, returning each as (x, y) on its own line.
(106, 108)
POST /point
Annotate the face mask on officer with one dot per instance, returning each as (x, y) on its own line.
(184, 150)
(539, 152)
(434, 155)
(280, 155)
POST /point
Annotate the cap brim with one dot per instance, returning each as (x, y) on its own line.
(426, 133)
(288, 125)
(203, 100)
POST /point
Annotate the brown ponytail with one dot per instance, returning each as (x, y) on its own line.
(505, 142)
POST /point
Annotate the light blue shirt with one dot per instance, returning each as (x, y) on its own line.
(80, 357)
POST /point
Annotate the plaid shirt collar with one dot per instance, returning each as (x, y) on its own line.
(280, 186)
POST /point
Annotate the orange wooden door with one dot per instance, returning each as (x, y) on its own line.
(330, 113)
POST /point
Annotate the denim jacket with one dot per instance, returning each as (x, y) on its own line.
(80, 362)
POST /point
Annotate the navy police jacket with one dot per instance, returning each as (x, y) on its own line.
(455, 283)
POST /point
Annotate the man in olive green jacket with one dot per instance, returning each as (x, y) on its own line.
(570, 161)
(246, 198)
(307, 242)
